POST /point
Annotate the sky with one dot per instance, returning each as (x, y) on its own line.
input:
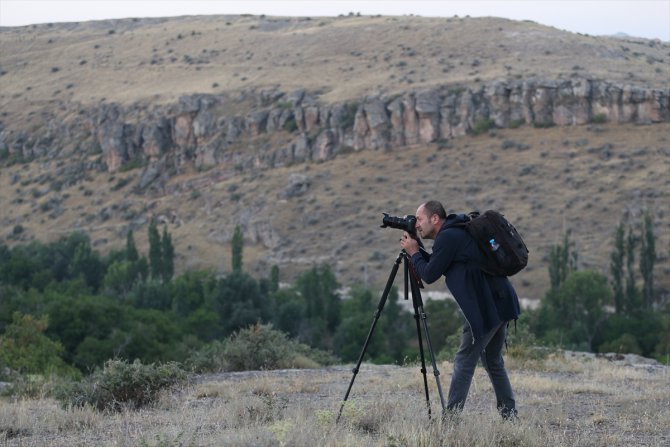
(640, 18)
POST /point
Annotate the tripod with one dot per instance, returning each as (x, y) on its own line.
(413, 283)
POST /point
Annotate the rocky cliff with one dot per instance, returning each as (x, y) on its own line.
(205, 130)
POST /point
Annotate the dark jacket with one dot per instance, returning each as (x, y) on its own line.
(484, 300)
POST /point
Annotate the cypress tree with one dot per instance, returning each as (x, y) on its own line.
(155, 252)
(274, 279)
(562, 261)
(167, 251)
(647, 259)
(131, 250)
(631, 290)
(616, 268)
(237, 249)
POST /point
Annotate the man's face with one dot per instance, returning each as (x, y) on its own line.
(425, 224)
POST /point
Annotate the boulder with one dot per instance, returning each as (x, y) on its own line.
(298, 185)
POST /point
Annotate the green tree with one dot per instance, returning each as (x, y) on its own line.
(237, 246)
(274, 278)
(318, 287)
(632, 301)
(87, 263)
(662, 348)
(25, 348)
(562, 261)
(357, 317)
(575, 312)
(74, 318)
(189, 291)
(22, 269)
(617, 268)
(288, 314)
(151, 294)
(119, 280)
(131, 250)
(647, 260)
(637, 333)
(155, 251)
(239, 302)
(167, 253)
(398, 329)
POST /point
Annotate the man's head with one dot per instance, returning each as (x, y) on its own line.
(429, 219)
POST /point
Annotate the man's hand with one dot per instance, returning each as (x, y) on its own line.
(409, 244)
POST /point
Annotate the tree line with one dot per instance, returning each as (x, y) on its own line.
(66, 307)
(586, 310)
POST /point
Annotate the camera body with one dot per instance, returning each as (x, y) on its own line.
(407, 223)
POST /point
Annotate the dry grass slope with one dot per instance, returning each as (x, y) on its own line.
(562, 403)
(583, 179)
(344, 58)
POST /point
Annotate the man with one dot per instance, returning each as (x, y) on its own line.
(487, 302)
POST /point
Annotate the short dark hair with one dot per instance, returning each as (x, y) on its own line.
(435, 207)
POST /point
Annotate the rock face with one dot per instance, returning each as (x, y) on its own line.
(205, 130)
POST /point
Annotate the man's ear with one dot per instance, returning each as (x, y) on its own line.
(434, 219)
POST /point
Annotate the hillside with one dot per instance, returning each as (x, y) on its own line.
(108, 124)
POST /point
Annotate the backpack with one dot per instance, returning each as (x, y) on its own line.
(506, 253)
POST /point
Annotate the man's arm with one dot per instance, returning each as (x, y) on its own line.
(432, 267)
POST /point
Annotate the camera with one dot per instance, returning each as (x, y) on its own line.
(407, 223)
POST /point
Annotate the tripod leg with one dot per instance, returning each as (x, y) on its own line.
(415, 291)
(377, 314)
(421, 314)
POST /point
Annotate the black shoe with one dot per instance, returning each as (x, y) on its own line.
(509, 415)
(452, 416)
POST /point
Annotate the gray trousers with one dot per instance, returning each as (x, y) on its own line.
(489, 349)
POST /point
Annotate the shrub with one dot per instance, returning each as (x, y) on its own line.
(257, 347)
(122, 385)
(349, 116)
(121, 183)
(482, 126)
(135, 163)
(514, 124)
(210, 358)
(599, 118)
(625, 344)
(290, 125)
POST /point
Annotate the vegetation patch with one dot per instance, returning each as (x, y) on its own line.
(120, 385)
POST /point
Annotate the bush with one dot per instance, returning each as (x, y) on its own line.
(122, 385)
(349, 116)
(211, 358)
(257, 347)
(290, 125)
(482, 126)
(514, 124)
(625, 344)
(599, 118)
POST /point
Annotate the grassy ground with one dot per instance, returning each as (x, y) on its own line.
(562, 402)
